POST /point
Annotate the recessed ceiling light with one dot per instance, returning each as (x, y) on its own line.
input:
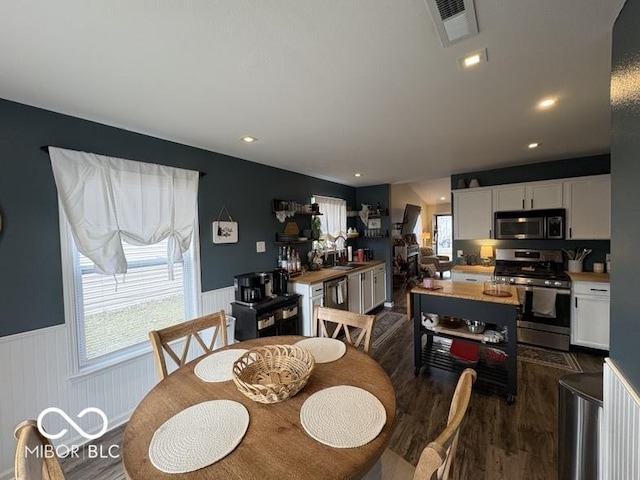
(249, 139)
(533, 145)
(442, 198)
(357, 174)
(473, 59)
(547, 102)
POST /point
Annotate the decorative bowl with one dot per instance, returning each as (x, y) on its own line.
(273, 373)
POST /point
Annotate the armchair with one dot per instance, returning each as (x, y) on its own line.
(428, 260)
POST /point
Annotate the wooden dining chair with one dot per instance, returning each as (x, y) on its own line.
(160, 339)
(35, 456)
(359, 325)
(437, 457)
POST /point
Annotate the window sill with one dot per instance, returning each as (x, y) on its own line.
(113, 362)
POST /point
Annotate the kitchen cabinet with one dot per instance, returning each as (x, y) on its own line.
(360, 288)
(367, 289)
(588, 204)
(470, 277)
(312, 295)
(379, 285)
(590, 314)
(528, 196)
(472, 213)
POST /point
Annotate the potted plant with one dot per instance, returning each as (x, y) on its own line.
(316, 227)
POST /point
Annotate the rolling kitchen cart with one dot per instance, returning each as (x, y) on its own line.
(467, 301)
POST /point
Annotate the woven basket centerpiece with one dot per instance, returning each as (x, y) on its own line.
(273, 373)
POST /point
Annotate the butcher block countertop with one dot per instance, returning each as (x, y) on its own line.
(589, 277)
(473, 269)
(466, 290)
(318, 276)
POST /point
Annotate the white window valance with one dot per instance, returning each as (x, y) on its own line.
(110, 200)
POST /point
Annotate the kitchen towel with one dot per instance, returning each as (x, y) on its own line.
(340, 291)
(522, 295)
(544, 302)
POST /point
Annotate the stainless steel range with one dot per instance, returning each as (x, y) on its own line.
(544, 291)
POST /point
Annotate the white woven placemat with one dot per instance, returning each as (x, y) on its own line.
(343, 416)
(198, 436)
(324, 350)
(217, 367)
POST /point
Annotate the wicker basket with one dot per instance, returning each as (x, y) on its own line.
(273, 373)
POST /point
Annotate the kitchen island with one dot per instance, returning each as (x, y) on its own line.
(467, 301)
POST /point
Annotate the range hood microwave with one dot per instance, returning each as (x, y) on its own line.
(530, 224)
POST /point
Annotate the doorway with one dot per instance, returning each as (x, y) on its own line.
(442, 234)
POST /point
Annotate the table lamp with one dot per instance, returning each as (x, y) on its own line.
(486, 254)
(426, 238)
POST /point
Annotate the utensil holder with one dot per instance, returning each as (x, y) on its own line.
(575, 266)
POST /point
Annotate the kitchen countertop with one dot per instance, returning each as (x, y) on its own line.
(318, 276)
(466, 290)
(588, 277)
(473, 269)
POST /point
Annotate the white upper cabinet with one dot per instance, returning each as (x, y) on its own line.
(472, 213)
(528, 196)
(588, 204)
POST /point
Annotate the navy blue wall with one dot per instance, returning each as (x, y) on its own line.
(573, 167)
(625, 194)
(30, 273)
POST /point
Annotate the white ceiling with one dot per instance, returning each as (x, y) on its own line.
(329, 88)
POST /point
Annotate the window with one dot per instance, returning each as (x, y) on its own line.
(333, 219)
(109, 316)
(131, 263)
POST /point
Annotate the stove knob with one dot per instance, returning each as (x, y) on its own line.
(547, 282)
(557, 283)
(529, 282)
(512, 280)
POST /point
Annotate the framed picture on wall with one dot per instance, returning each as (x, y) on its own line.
(225, 232)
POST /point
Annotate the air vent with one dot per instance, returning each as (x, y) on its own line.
(455, 20)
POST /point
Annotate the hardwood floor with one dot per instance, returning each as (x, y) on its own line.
(497, 441)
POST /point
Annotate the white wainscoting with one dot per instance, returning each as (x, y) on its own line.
(621, 427)
(34, 376)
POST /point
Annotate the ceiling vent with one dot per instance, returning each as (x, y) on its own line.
(455, 20)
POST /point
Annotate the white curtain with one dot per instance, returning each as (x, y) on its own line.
(334, 217)
(110, 200)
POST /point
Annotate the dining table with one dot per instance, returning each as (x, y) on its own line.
(276, 444)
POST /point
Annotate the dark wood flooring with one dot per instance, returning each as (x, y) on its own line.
(497, 441)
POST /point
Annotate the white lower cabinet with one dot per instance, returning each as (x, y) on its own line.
(367, 289)
(379, 285)
(312, 295)
(590, 315)
(469, 277)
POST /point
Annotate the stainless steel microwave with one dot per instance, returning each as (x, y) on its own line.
(530, 224)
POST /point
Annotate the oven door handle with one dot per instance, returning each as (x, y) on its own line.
(559, 291)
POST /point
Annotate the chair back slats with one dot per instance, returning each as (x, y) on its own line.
(30, 462)
(347, 322)
(437, 458)
(161, 339)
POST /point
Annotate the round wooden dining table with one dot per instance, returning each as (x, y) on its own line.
(275, 445)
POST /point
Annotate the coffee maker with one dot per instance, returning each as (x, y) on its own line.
(250, 288)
